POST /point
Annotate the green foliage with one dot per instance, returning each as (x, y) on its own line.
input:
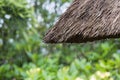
(24, 56)
(49, 68)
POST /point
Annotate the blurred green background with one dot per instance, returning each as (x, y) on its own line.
(24, 56)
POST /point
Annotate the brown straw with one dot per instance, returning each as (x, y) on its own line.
(87, 20)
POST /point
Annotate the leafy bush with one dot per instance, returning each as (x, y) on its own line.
(24, 56)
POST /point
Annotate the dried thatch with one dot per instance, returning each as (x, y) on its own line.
(87, 20)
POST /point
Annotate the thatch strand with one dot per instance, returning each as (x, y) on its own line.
(87, 20)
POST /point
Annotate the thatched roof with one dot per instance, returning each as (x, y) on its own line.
(87, 20)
